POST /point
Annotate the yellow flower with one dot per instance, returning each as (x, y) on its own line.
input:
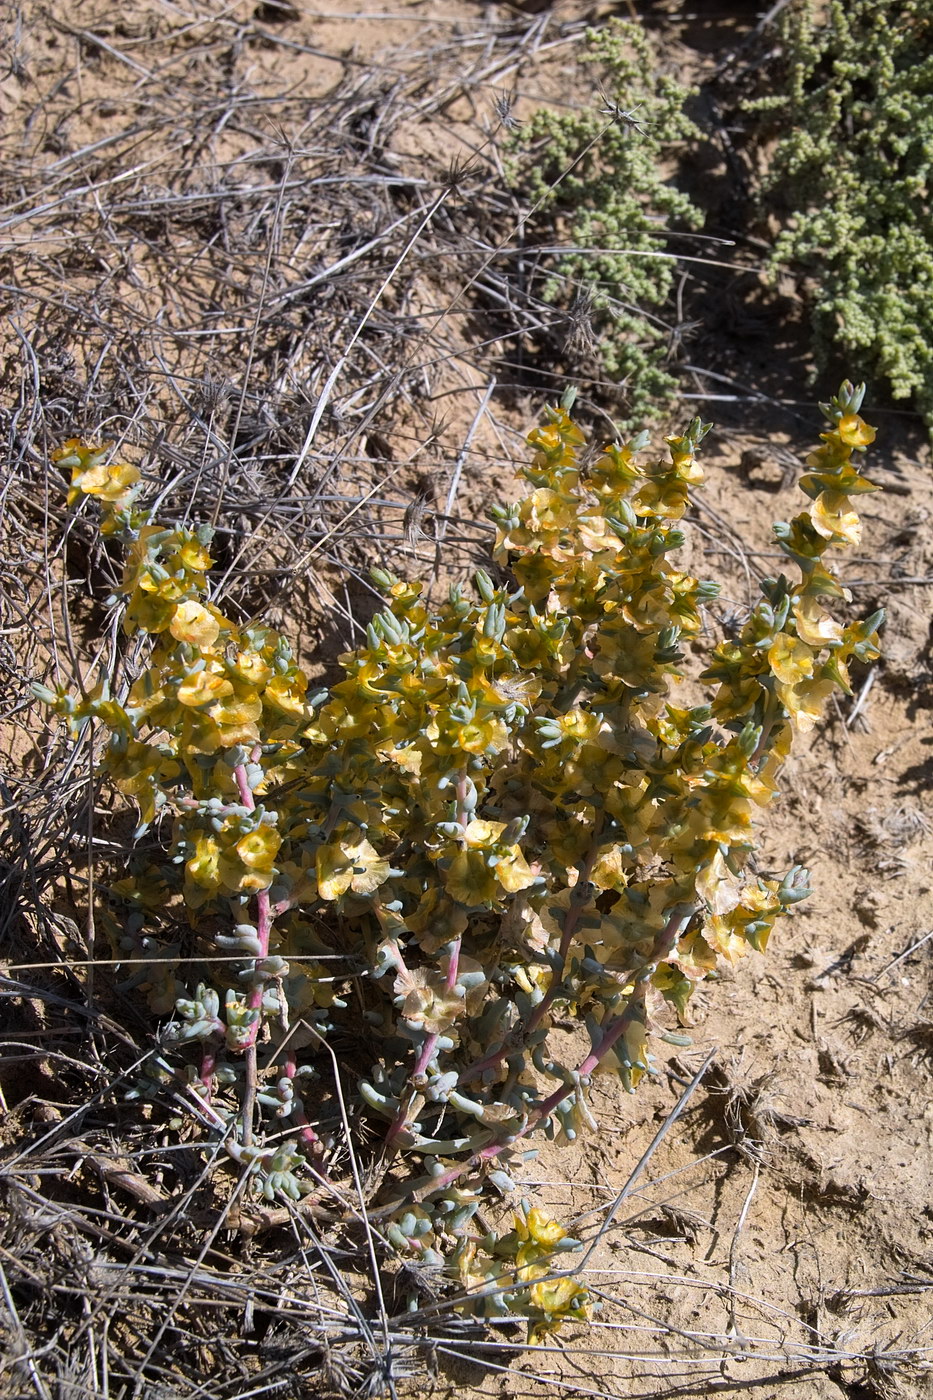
(666, 496)
(141, 771)
(146, 693)
(814, 626)
(193, 623)
(547, 510)
(238, 717)
(804, 702)
(287, 693)
(720, 934)
(472, 878)
(75, 453)
(790, 659)
(469, 880)
(540, 1228)
(556, 1297)
(428, 1001)
(250, 864)
(487, 735)
(90, 476)
(204, 688)
(716, 884)
(258, 849)
(608, 872)
(533, 979)
(349, 865)
(148, 612)
(249, 666)
(854, 431)
(204, 866)
(109, 483)
(437, 919)
(834, 518)
(194, 556)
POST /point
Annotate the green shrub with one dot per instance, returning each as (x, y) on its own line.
(499, 819)
(850, 177)
(597, 175)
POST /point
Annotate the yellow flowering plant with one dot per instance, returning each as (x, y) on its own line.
(497, 820)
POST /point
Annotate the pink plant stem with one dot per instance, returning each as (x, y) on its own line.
(578, 902)
(614, 1031)
(306, 1134)
(426, 1053)
(254, 999)
(208, 1067)
(453, 966)
(380, 914)
(429, 1045)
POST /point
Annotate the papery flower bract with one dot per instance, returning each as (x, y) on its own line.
(249, 864)
(91, 476)
(193, 555)
(193, 623)
(539, 1228)
(834, 518)
(205, 687)
(790, 659)
(804, 701)
(287, 693)
(854, 431)
(814, 625)
(349, 865)
(203, 868)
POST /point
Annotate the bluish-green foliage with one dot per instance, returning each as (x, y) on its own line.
(851, 177)
(599, 174)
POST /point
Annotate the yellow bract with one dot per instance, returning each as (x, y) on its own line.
(204, 688)
(204, 866)
(249, 864)
(854, 431)
(193, 623)
(539, 1227)
(834, 518)
(91, 476)
(790, 659)
(814, 626)
(349, 865)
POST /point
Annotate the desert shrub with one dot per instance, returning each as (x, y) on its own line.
(849, 178)
(498, 819)
(599, 175)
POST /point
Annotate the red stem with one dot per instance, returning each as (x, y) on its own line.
(402, 1118)
(306, 1133)
(208, 1067)
(263, 908)
(254, 999)
(428, 1047)
(663, 946)
(578, 901)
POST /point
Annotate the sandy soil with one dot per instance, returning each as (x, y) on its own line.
(779, 1239)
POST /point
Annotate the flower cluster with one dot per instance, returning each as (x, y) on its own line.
(499, 816)
(520, 1272)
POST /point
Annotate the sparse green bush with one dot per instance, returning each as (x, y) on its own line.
(599, 176)
(850, 178)
(499, 819)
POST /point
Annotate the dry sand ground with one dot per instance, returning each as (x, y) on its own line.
(209, 237)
